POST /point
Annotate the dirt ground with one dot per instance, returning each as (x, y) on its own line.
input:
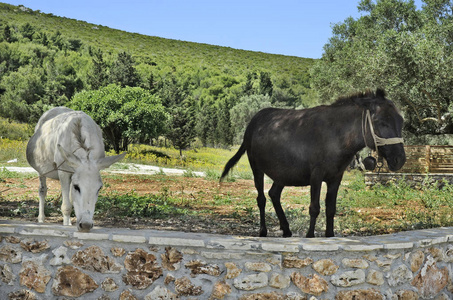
(19, 201)
(227, 208)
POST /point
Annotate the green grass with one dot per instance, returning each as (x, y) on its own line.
(12, 149)
(361, 210)
(133, 205)
(209, 160)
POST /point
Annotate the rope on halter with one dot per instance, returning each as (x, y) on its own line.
(378, 141)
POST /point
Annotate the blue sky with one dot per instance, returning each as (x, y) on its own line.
(289, 27)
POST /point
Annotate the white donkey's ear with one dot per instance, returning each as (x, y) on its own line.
(106, 162)
(72, 160)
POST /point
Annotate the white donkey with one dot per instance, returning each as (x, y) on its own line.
(67, 145)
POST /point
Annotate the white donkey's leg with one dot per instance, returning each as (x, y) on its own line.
(42, 198)
(66, 205)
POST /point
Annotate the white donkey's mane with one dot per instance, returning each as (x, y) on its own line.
(77, 130)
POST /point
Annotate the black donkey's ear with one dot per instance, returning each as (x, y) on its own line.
(380, 93)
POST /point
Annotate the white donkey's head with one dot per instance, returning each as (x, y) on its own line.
(85, 185)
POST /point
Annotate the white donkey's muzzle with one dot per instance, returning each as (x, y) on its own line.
(85, 223)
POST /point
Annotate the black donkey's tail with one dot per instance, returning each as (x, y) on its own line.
(233, 161)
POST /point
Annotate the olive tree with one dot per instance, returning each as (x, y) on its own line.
(243, 112)
(406, 51)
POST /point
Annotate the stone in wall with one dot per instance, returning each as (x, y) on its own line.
(184, 287)
(232, 270)
(400, 275)
(313, 285)
(12, 239)
(117, 251)
(369, 294)
(60, 256)
(34, 275)
(375, 277)
(348, 278)
(325, 267)
(109, 285)
(169, 278)
(161, 292)
(295, 262)
(431, 280)
(127, 295)
(93, 259)
(7, 275)
(73, 244)
(251, 282)
(370, 257)
(393, 256)
(448, 257)
(33, 246)
(416, 260)
(171, 259)
(22, 294)
(258, 267)
(405, 295)
(385, 264)
(201, 267)
(296, 296)
(443, 296)
(220, 290)
(265, 296)
(279, 281)
(10, 254)
(71, 282)
(142, 269)
(355, 263)
(436, 253)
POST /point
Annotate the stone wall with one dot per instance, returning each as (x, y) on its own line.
(413, 179)
(56, 262)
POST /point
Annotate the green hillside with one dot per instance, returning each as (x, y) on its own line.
(45, 60)
(164, 52)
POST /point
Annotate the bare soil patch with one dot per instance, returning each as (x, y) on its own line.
(227, 208)
(19, 201)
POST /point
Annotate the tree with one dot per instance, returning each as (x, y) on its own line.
(23, 90)
(181, 125)
(27, 31)
(243, 112)
(124, 114)
(266, 86)
(404, 50)
(247, 88)
(123, 72)
(98, 76)
(8, 34)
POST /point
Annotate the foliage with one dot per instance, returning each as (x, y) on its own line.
(181, 126)
(404, 50)
(124, 114)
(14, 131)
(45, 60)
(123, 71)
(242, 113)
(210, 160)
(98, 76)
(132, 205)
(13, 149)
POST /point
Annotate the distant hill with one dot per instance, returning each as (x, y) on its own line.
(51, 58)
(160, 50)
